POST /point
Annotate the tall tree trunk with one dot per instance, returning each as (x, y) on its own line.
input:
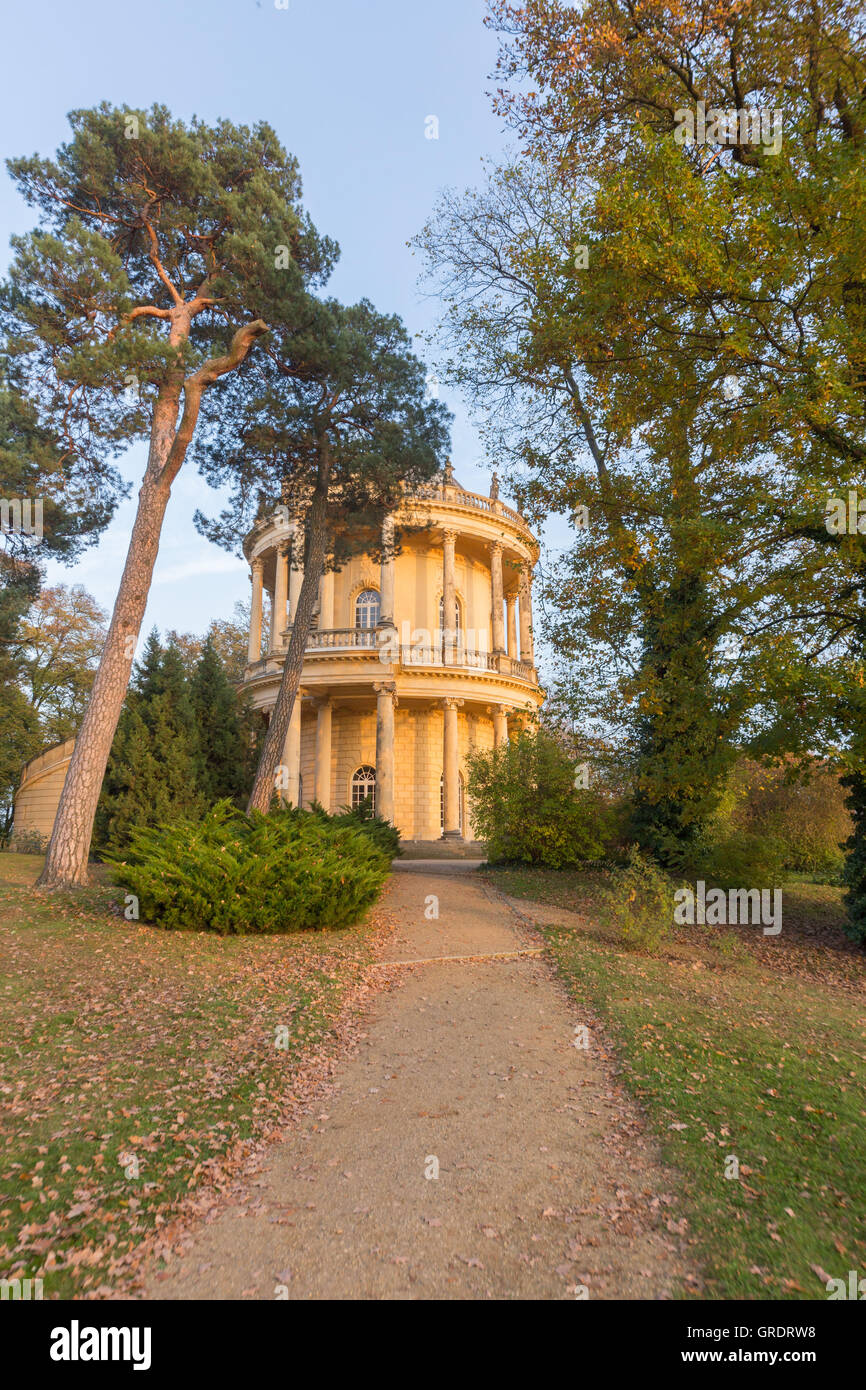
(275, 739)
(69, 846)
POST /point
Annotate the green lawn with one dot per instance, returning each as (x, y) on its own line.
(736, 1044)
(134, 1063)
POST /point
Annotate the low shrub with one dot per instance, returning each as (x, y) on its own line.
(288, 871)
(383, 834)
(28, 842)
(745, 860)
(639, 902)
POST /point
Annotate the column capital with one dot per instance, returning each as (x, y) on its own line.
(449, 534)
(284, 546)
(451, 702)
(257, 564)
(496, 547)
(386, 688)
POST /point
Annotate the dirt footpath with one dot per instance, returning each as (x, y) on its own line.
(547, 1186)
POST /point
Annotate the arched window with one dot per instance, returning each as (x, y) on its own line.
(459, 606)
(459, 802)
(364, 786)
(367, 609)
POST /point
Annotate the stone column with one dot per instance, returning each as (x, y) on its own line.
(526, 652)
(386, 581)
(500, 725)
(511, 605)
(292, 753)
(451, 771)
(449, 592)
(296, 576)
(281, 583)
(326, 601)
(496, 590)
(254, 650)
(323, 753)
(386, 699)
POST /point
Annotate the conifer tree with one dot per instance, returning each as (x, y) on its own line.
(337, 426)
(223, 742)
(155, 768)
(162, 252)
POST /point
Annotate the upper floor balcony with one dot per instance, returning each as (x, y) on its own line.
(383, 648)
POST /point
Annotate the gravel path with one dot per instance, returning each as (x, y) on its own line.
(547, 1185)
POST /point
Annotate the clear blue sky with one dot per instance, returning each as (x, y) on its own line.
(348, 85)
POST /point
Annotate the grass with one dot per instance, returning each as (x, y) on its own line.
(736, 1044)
(137, 1063)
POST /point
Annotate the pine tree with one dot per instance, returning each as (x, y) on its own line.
(161, 253)
(333, 423)
(223, 742)
(154, 772)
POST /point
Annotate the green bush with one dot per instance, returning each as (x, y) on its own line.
(526, 808)
(639, 902)
(745, 860)
(854, 876)
(287, 871)
(803, 810)
(383, 834)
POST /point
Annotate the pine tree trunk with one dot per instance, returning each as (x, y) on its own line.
(69, 846)
(272, 751)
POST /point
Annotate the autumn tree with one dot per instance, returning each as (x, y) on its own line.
(744, 249)
(333, 424)
(655, 609)
(162, 251)
(58, 644)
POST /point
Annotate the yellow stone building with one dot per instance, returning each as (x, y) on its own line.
(412, 662)
(38, 795)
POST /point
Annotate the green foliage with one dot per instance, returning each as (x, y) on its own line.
(525, 806)
(639, 901)
(652, 382)
(184, 742)
(706, 266)
(682, 753)
(854, 874)
(744, 859)
(383, 834)
(155, 769)
(332, 426)
(138, 212)
(227, 873)
(339, 404)
(18, 718)
(221, 743)
(804, 813)
(59, 642)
